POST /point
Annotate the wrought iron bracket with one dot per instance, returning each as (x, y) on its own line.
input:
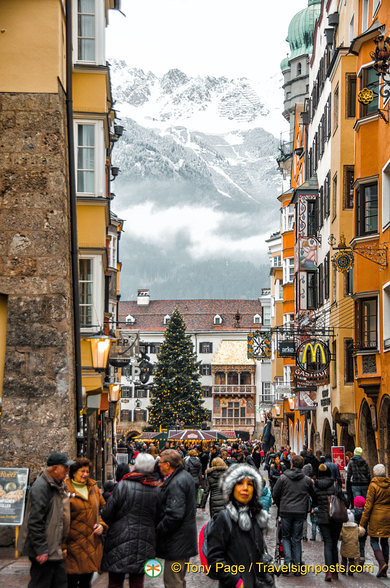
(377, 254)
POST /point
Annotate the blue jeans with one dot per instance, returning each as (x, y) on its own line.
(359, 491)
(330, 536)
(292, 530)
(381, 544)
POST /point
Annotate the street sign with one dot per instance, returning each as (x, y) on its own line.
(338, 456)
(287, 349)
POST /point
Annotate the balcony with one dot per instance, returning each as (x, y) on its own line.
(234, 389)
(233, 422)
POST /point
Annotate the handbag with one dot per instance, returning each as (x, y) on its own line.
(337, 509)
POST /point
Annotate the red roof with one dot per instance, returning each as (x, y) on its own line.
(197, 314)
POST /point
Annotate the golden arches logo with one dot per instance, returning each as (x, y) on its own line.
(307, 353)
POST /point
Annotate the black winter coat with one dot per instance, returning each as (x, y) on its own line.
(131, 513)
(194, 467)
(324, 487)
(358, 472)
(228, 544)
(334, 470)
(291, 493)
(275, 473)
(176, 531)
(212, 488)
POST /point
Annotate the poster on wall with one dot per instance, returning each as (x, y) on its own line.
(13, 485)
(338, 456)
(307, 254)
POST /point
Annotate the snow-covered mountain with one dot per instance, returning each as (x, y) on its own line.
(198, 142)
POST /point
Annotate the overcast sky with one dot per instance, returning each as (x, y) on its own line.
(214, 37)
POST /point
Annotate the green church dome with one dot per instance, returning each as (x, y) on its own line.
(285, 64)
(301, 30)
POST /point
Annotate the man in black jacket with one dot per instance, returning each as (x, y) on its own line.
(176, 531)
(291, 493)
(358, 475)
(47, 524)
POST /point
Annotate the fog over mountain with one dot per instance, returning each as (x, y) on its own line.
(198, 183)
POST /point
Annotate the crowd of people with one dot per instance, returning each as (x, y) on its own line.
(72, 529)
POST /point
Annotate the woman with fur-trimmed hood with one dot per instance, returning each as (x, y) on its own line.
(236, 536)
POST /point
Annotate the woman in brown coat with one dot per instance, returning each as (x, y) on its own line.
(377, 514)
(84, 548)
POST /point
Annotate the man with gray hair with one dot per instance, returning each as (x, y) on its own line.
(176, 530)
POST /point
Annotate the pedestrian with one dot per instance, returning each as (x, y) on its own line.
(176, 530)
(358, 475)
(334, 469)
(325, 486)
(314, 521)
(291, 495)
(121, 470)
(377, 515)
(359, 503)
(84, 547)
(276, 470)
(131, 513)
(236, 536)
(47, 524)
(108, 487)
(193, 466)
(308, 471)
(266, 497)
(349, 549)
(212, 487)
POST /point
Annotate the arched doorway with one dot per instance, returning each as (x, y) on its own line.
(346, 439)
(326, 437)
(130, 435)
(367, 435)
(384, 432)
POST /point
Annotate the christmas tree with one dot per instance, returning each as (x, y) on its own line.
(176, 394)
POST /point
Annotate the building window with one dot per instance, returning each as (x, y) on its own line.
(336, 108)
(349, 179)
(155, 348)
(320, 287)
(350, 95)
(288, 216)
(311, 218)
(348, 282)
(267, 315)
(326, 276)
(166, 319)
(375, 6)
(86, 292)
(386, 196)
(266, 392)
(299, 69)
(86, 30)
(334, 354)
(288, 270)
(245, 379)
(257, 319)
(205, 347)
(386, 313)
(129, 320)
(367, 323)
(86, 158)
(220, 379)
(367, 209)
(364, 15)
(369, 79)
(207, 391)
(278, 290)
(311, 290)
(232, 379)
(334, 196)
(205, 369)
(348, 360)
(276, 261)
(112, 251)
(217, 320)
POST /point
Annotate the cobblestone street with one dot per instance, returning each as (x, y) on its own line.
(15, 573)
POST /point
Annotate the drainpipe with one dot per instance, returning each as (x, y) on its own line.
(73, 224)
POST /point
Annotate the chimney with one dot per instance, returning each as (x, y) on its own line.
(143, 297)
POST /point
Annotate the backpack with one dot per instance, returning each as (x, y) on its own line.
(203, 536)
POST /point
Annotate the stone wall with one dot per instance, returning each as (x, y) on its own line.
(38, 409)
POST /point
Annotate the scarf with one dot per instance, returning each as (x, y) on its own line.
(241, 516)
(141, 477)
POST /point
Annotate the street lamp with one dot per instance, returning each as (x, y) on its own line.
(114, 391)
(100, 348)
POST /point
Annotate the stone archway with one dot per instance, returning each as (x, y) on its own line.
(326, 437)
(384, 432)
(131, 435)
(367, 436)
(346, 439)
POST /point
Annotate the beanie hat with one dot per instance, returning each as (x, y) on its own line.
(235, 474)
(379, 470)
(323, 471)
(359, 501)
(358, 451)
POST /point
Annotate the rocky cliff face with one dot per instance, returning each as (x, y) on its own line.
(198, 147)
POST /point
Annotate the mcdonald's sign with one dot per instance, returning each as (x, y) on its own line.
(313, 356)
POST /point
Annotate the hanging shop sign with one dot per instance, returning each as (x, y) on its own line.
(313, 356)
(259, 345)
(305, 400)
(287, 348)
(13, 485)
(303, 380)
(343, 260)
(338, 456)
